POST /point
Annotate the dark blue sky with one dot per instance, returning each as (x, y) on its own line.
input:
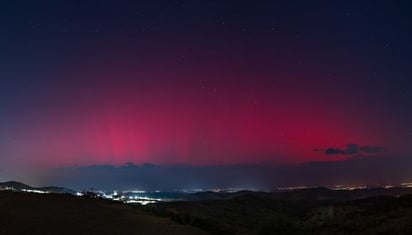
(202, 82)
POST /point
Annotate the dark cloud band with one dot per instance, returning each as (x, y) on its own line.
(354, 149)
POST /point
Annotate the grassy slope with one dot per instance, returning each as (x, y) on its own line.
(264, 215)
(22, 213)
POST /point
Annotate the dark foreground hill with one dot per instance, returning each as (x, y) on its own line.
(310, 211)
(25, 213)
(257, 213)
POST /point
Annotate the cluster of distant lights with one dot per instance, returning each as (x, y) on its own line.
(24, 190)
(34, 191)
(346, 187)
(336, 187)
(129, 199)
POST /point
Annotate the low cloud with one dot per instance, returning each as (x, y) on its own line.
(331, 151)
(352, 149)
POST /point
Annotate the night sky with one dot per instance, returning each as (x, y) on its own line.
(203, 83)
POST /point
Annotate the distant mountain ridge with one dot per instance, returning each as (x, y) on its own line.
(315, 193)
(15, 185)
(18, 186)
